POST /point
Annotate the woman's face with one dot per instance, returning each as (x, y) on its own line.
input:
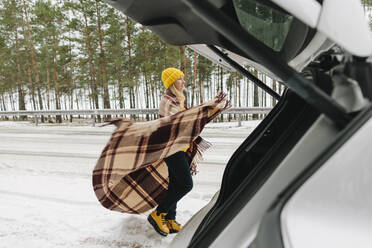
(180, 83)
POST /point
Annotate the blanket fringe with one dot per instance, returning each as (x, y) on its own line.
(199, 147)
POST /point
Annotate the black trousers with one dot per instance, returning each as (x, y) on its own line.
(180, 183)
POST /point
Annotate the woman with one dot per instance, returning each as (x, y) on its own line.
(163, 219)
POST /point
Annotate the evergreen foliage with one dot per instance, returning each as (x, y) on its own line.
(84, 54)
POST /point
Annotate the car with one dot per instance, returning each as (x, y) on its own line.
(302, 178)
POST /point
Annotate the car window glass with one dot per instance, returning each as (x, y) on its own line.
(266, 24)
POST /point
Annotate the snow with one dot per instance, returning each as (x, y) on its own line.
(46, 195)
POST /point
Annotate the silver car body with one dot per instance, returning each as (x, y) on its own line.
(335, 203)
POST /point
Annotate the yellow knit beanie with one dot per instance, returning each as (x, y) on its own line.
(170, 75)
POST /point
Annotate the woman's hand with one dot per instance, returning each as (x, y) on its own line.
(221, 104)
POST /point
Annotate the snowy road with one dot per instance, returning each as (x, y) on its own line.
(46, 197)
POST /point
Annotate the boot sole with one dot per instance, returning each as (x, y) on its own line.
(173, 231)
(155, 226)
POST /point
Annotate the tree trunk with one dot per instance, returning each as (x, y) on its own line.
(255, 95)
(221, 85)
(11, 99)
(129, 47)
(230, 92)
(33, 59)
(93, 85)
(48, 86)
(120, 85)
(3, 102)
(152, 94)
(221, 79)
(136, 87)
(239, 92)
(194, 79)
(106, 95)
(55, 78)
(218, 79)
(201, 89)
(273, 100)
(263, 95)
(71, 77)
(236, 76)
(131, 95)
(247, 91)
(30, 84)
(183, 58)
(19, 81)
(147, 93)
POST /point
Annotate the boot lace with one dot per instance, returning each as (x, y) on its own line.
(163, 221)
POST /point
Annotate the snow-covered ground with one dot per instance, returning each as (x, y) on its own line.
(46, 195)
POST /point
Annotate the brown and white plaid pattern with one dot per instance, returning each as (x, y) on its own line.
(169, 104)
(130, 175)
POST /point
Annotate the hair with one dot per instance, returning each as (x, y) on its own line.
(179, 94)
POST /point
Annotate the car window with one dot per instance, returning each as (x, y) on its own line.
(266, 24)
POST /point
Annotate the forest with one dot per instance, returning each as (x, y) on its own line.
(84, 54)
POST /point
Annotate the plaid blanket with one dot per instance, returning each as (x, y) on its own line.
(130, 175)
(169, 105)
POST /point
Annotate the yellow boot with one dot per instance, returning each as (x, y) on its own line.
(157, 220)
(173, 226)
